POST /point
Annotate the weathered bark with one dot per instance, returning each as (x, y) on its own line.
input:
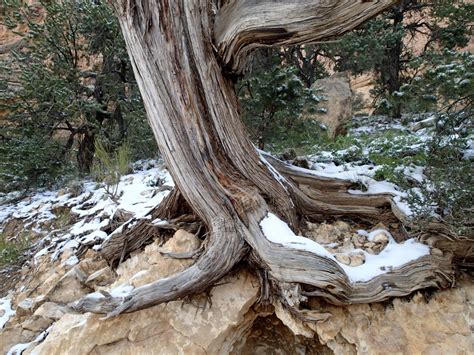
(192, 107)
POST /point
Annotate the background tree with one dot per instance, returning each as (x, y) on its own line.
(385, 45)
(75, 84)
(274, 100)
(445, 87)
(308, 60)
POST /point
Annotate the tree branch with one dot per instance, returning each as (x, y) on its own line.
(243, 26)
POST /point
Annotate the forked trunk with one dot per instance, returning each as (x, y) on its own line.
(184, 54)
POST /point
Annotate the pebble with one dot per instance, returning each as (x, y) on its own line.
(343, 258)
(437, 252)
(357, 259)
(381, 238)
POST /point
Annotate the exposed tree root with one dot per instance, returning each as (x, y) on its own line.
(293, 275)
(301, 273)
(220, 256)
(320, 198)
(136, 233)
(439, 236)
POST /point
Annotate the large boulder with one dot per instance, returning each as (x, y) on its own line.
(337, 94)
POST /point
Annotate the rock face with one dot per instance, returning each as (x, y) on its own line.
(227, 319)
(336, 90)
(442, 325)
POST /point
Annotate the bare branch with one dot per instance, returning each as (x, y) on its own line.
(243, 26)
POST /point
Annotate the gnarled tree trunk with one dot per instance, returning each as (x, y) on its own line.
(185, 54)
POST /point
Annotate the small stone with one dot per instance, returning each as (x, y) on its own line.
(381, 238)
(437, 252)
(342, 226)
(289, 154)
(102, 277)
(69, 288)
(343, 258)
(369, 245)
(347, 245)
(358, 240)
(50, 310)
(370, 251)
(28, 334)
(357, 259)
(29, 305)
(36, 323)
(301, 162)
(378, 248)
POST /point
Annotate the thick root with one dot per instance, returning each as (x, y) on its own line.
(136, 233)
(298, 274)
(219, 258)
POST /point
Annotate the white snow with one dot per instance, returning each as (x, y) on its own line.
(94, 208)
(72, 260)
(468, 153)
(139, 274)
(277, 231)
(121, 291)
(6, 311)
(392, 256)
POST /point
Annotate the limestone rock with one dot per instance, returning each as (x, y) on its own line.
(151, 265)
(440, 326)
(102, 277)
(338, 102)
(323, 233)
(29, 305)
(358, 240)
(369, 245)
(50, 310)
(357, 259)
(227, 320)
(343, 258)
(179, 327)
(36, 323)
(381, 238)
(69, 288)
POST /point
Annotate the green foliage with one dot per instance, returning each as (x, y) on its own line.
(29, 161)
(274, 100)
(12, 248)
(75, 83)
(385, 46)
(109, 167)
(445, 83)
(390, 149)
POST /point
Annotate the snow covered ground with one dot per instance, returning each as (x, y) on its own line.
(94, 208)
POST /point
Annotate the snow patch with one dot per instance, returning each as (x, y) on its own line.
(277, 231)
(121, 291)
(6, 311)
(394, 255)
